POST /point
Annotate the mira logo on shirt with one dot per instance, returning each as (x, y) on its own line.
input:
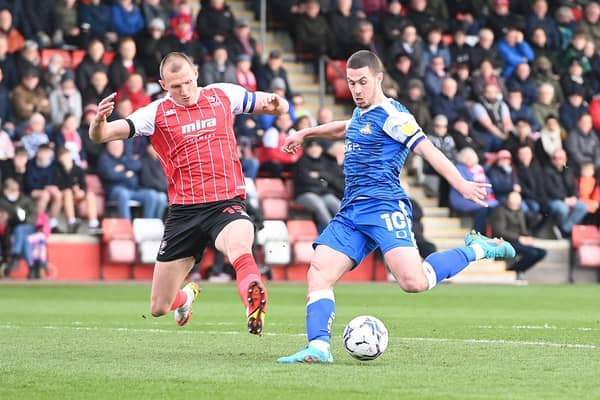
(198, 125)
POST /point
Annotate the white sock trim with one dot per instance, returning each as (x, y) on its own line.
(430, 275)
(320, 294)
(320, 345)
(479, 252)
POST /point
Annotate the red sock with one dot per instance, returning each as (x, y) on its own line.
(246, 271)
(180, 300)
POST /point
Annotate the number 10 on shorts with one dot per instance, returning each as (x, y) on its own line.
(397, 221)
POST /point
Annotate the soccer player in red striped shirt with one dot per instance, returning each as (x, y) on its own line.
(191, 129)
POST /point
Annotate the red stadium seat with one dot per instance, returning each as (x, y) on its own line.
(271, 188)
(274, 208)
(76, 57)
(585, 234)
(341, 90)
(589, 255)
(336, 69)
(119, 243)
(108, 57)
(48, 53)
(94, 185)
(302, 230)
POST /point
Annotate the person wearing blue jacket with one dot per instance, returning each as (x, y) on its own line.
(514, 50)
(127, 18)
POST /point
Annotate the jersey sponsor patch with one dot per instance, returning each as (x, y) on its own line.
(409, 128)
(170, 111)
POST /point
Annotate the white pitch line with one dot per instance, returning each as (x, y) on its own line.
(401, 339)
(538, 327)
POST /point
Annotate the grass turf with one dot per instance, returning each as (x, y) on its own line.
(456, 342)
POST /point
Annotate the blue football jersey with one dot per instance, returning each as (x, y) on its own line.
(377, 143)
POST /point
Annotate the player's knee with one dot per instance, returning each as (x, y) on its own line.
(413, 284)
(317, 276)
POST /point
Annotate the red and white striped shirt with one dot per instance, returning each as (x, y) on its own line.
(196, 144)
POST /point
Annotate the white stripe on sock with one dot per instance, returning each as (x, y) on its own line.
(320, 294)
(430, 274)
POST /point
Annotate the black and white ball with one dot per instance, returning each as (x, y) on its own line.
(365, 338)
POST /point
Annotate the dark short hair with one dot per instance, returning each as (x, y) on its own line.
(365, 58)
(172, 60)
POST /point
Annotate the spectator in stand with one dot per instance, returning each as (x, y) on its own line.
(119, 174)
(364, 38)
(66, 25)
(124, 64)
(343, 23)
(503, 178)
(34, 134)
(467, 15)
(582, 144)
(214, 23)
(514, 50)
(574, 78)
(272, 69)
(274, 161)
(7, 148)
(434, 184)
(15, 39)
(423, 18)
(91, 149)
(571, 110)
(485, 50)
(70, 179)
(519, 111)
(590, 24)
(243, 72)
(414, 100)
(6, 113)
(469, 167)
(508, 222)
(21, 220)
(28, 57)
(219, 69)
(67, 137)
(460, 51)
(464, 83)
(543, 73)
(96, 21)
(402, 72)
(491, 119)
(29, 97)
(434, 76)
(575, 51)
(521, 136)
(65, 100)
(134, 90)
(501, 19)
(546, 103)
(433, 46)
(39, 17)
(486, 76)
(392, 22)
(539, 19)
(54, 72)
(250, 164)
(15, 168)
(40, 184)
(301, 111)
(312, 32)
(461, 133)
(127, 18)
(410, 45)
(531, 180)
(311, 184)
(550, 140)
(448, 103)
(522, 81)
(593, 76)
(561, 189)
(187, 38)
(155, 9)
(242, 42)
(152, 45)
(97, 89)
(7, 64)
(565, 20)
(92, 62)
(589, 191)
(152, 176)
(538, 41)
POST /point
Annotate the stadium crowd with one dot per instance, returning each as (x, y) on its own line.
(505, 89)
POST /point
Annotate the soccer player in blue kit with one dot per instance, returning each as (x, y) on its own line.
(375, 211)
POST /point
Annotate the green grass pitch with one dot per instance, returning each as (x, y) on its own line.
(455, 342)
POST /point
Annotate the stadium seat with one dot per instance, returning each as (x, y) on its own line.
(272, 231)
(119, 243)
(585, 248)
(148, 234)
(274, 208)
(302, 230)
(335, 69)
(584, 234)
(108, 57)
(271, 188)
(48, 53)
(77, 56)
(277, 252)
(341, 90)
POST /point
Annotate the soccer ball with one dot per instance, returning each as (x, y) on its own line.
(365, 338)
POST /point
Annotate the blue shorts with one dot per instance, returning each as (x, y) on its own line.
(364, 225)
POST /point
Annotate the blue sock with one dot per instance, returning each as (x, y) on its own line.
(448, 263)
(320, 313)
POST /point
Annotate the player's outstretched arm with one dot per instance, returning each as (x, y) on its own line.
(102, 131)
(332, 131)
(473, 191)
(270, 103)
